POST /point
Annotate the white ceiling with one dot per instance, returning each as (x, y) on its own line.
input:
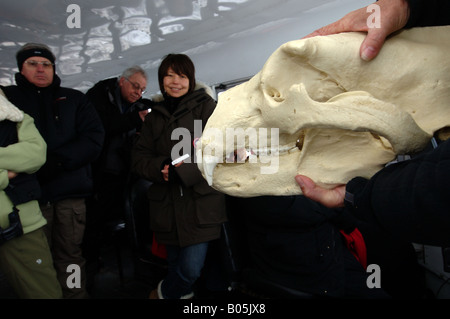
(226, 39)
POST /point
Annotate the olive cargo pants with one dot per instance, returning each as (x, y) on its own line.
(66, 222)
(27, 264)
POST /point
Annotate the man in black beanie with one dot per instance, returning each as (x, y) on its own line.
(34, 50)
(74, 135)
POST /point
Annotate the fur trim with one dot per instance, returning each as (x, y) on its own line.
(9, 111)
(188, 296)
(198, 85)
(207, 88)
(160, 296)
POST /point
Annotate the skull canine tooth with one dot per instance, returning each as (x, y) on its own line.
(209, 164)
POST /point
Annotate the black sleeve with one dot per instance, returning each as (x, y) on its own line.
(428, 13)
(114, 122)
(410, 199)
(86, 146)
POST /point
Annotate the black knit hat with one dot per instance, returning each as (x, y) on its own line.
(33, 49)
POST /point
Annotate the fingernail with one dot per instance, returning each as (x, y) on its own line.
(368, 53)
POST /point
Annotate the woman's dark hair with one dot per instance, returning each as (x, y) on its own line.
(180, 64)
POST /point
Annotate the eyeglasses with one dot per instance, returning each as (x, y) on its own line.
(34, 64)
(136, 86)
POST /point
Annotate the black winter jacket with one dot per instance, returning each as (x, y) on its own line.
(120, 120)
(425, 13)
(296, 242)
(185, 210)
(410, 200)
(72, 130)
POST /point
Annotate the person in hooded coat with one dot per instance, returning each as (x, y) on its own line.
(185, 212)
(74, 135)
(25, 257)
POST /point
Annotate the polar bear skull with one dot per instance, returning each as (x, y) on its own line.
(317, 109)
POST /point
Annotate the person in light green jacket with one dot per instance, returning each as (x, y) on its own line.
(25, 257)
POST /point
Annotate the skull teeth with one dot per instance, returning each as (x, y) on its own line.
(242, 154)
(210, 162)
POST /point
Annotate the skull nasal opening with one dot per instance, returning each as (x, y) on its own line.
(275, 94)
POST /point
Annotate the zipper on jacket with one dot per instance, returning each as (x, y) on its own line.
(56, 107)
(181, 190)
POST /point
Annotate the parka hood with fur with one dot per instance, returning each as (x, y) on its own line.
(9, 111)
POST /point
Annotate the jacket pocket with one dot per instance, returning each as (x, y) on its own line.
(209, 205)
(161, 217)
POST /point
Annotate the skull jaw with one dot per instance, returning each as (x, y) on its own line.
(275, 176)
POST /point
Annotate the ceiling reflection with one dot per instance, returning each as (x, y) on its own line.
(113, 35)
(107, 32)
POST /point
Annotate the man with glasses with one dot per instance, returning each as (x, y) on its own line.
(122, 110)
(74, 136)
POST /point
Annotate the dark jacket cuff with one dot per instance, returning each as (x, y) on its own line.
(355, 192)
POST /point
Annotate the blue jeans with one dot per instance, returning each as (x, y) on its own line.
(184, 268)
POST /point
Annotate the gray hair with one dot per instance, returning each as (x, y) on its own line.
(133, 70)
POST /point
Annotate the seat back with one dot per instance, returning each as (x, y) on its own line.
(136, 213)
(137, 220)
